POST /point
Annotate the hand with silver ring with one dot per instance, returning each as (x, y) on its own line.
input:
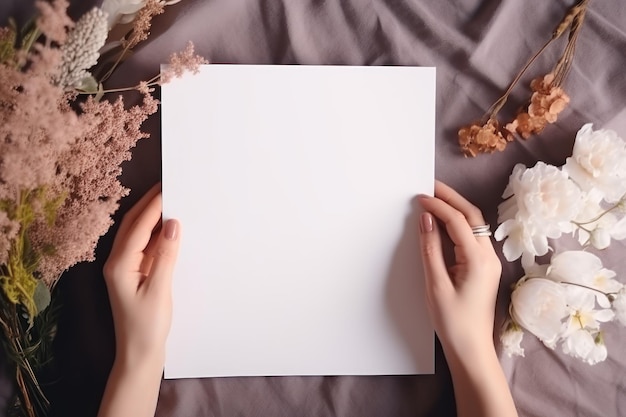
(483, 230)
(461, 301)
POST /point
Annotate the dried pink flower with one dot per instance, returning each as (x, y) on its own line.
(67, 161)
(53, 20)
(143, 23)
(89, 172)
(8, 230)
(180, 62)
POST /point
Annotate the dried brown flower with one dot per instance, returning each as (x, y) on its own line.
(486, 138)
(546, 102)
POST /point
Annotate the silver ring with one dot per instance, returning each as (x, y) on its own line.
(483, 230)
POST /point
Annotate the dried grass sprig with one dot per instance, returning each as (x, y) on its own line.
(547, 100)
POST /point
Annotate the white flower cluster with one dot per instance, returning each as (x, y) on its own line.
(80, 52)
(565, 303)
(582, 197)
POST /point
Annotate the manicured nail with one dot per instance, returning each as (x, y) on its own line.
(171, 230)
(426, 223)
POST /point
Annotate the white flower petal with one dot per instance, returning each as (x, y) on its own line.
(618, 231)
(600, 238)
(539, 306)
(604, 315)
(597, 162)
(619, 306)
(511, 340)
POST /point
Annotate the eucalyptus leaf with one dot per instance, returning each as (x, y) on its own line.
(100, 93)
(88, 85)
(41, 297)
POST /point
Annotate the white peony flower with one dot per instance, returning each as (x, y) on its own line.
(583, 345)
(619, 306)
(124, 11)
(597, 162)
(121, 11)
(542, 203)
(539, 305)
(584, 268)
(511, 338)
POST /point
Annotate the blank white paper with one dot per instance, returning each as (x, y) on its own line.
(295, 187)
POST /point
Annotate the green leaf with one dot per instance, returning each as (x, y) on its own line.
(100, 93)
(7, 44)
(88, 85)
(41, 297)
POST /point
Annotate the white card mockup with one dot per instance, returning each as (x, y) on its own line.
(295, 188)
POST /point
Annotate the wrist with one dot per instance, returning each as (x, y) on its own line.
(128, 360)
(472, 358)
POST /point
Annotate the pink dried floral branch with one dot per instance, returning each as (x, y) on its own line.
(139, 32)
(178, 64)
(53, 20)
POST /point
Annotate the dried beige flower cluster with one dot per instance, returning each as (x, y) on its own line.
(546, 102)
(488, 138)
(548, 98)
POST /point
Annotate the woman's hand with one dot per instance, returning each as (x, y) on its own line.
(461, 299)
(138, 275)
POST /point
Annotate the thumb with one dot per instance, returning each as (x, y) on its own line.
(165, 255)
(432, 255)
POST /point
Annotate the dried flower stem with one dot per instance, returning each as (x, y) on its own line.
(547, 101)
(140, 31)
(574, 17)
(562, 67)
(14, 336)
(152, 82)
(599, 216)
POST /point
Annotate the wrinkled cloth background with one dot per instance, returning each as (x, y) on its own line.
(477, 47)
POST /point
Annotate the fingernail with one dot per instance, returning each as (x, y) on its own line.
(171, 230)
(426, 223)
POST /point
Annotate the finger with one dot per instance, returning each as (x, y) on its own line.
(456, 224)
(149, 251)
(472, 213)
(131, 215)
(131, 249)
(435, 270)
(165, 255)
